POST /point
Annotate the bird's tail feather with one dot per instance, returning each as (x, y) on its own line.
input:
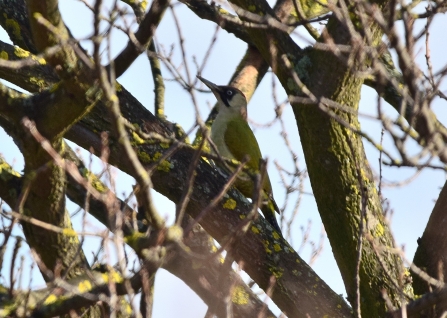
(268, 209)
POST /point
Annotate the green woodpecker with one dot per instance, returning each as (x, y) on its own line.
(234, 140)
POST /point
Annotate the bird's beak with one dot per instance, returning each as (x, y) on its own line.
(213, 87)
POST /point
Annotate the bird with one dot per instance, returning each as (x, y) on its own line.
(235, 140)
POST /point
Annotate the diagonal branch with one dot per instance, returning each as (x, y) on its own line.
(257, 247)
(142, 39)
(199, 274)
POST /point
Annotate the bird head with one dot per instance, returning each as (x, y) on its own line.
(229, 99)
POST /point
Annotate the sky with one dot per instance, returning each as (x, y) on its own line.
(411, 204)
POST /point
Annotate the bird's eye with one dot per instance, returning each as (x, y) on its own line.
(229, 93)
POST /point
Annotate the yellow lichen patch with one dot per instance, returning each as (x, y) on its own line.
(37, 81)
(164, 166)
(157, 156)
(95, 182)
(277, 247)
(222, 11)
(276, 272)
(6, 170)
(21, 52)
(298, 261)
(407, 273)
(205, 159)
(254, 229)
(118, 87)
(4, 55)
(363, 175)
(354, 189)
(84, 286)
(275, 235)
(69, 232)
(126, 307)
(113, 275)
(144, 157)
(229, 204)
(14, 25)
(143, 5)
(137, 139)
(40, 60)
(164, 145)
(379, 230)
(50, 299)
(266, 247)
(105, 277)
(239, 296)
(252, 8)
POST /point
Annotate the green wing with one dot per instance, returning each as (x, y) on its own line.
(241, 141)
(238, 136)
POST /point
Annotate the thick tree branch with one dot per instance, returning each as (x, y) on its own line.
(24, 69)
(430, 254)
(12, 104)
(14, 19)
(200, 274)
(48, 29)
(422, 307)
(142, 39)
(62, 297)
